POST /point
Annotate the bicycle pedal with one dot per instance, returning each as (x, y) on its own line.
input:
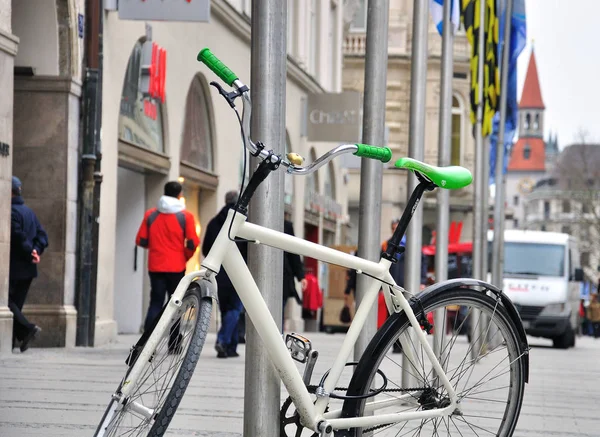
(299, 347)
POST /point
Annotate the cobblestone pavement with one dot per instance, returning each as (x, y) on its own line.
(63, 392)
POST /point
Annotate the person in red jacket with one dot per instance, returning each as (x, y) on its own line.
(169, 233)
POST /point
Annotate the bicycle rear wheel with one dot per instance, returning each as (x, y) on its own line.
(159, 390)
(487, 374)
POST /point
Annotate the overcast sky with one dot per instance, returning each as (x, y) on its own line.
(567, 51)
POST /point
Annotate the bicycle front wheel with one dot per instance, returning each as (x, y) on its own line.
(482, 356)
(159, 390)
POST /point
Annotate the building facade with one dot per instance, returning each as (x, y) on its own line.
(41, 75)
(567, 200)
(194, 137)
(394, 193)
(191, 136)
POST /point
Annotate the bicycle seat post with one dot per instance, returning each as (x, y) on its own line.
(393, 247)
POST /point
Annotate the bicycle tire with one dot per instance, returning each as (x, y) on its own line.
(171, 402)
(397, 324)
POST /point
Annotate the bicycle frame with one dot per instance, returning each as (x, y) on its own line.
(225, 253)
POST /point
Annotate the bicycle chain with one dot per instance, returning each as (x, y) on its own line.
(312, 389)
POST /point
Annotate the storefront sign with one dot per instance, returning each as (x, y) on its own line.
(165, 10)
(334, 117)
(152, 81)
(4, 149)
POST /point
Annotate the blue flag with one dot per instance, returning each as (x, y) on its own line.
(437, 14)
(518, 40)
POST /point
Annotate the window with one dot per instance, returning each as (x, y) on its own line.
(516, 223)
(197, 147)
(288, 179)
(359, 23)
(565, 230)
(291, 13)
(585, 208)
(331, 44)
(137, 125)
(585, 259)
(314, 41)
(543, 228)
(546, 210)
(457, 122)
(566, 206)
(527, 151)
(516, 201)
(534, 259)
(527, 121)
(330, 182)
(536, 123)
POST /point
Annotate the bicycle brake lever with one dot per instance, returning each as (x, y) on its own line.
(230, 97)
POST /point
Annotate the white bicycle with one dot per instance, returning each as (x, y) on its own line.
(478, 391)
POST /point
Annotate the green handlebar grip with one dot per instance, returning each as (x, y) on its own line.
(383, 154)
(211, 61)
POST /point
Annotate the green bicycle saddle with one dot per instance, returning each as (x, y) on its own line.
(451, 178)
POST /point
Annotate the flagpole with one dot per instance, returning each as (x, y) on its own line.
(498, 248)
(444, 158)
(478, 223)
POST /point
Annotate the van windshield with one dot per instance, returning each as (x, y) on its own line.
(534, 259)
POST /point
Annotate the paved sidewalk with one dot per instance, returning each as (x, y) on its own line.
(63, 392)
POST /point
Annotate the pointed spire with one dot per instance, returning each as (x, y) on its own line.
(532, 95)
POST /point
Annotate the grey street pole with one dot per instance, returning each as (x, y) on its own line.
(478, 222)
(371, 171)
(416, 150)
(498, 247)
(444, 157)
(268, 81)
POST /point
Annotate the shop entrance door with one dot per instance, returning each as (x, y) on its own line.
(129, 259)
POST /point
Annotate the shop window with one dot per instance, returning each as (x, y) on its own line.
(140, 120)
(197, 144)
(457, 123)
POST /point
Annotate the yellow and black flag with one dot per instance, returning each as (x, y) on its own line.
(470, 12)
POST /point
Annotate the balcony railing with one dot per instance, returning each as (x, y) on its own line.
(355, 44)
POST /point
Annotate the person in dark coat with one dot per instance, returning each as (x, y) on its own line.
(28, 240)
(292, 268)
(230, 304)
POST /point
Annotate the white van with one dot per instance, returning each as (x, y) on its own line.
(542, 273)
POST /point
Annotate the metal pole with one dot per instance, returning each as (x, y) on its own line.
(371, 174)
(444, 157)
(478, 226)
(498, 247)
(268, 82)
(416, 150)
(85, 297)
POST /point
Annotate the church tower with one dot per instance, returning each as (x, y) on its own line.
(527, 163)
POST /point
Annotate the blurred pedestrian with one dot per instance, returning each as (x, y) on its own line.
(292, 268)
(230, 304)
(169, 233)
(28, 240)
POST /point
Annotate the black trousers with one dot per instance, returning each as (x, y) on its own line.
(162, 285)
(17, 293)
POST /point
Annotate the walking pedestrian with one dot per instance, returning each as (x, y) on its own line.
(292, 268)
(169, 233)
(230, 304)
(28, 240)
